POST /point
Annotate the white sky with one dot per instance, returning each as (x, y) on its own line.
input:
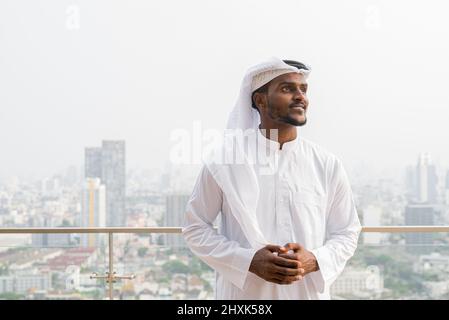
(138, 69)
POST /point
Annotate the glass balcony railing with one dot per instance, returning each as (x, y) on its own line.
(402, 262)
(51, 266)
(397, 262)
(165, 269)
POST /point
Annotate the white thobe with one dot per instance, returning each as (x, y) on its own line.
(307, 200)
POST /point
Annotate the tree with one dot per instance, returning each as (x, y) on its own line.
(11, 296)
(142, 252)
(175, 267)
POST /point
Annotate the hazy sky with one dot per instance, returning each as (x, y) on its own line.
(75, 72)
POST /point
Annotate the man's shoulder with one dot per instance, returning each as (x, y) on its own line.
(317, 151)
(321, 158)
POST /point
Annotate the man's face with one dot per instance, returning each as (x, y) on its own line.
(286, 100)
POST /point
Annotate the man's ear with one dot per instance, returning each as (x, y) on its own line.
(259, 100)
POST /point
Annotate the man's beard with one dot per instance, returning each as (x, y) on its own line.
(292, 121)
(286, 119)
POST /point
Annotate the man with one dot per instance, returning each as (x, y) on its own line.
(288, 222)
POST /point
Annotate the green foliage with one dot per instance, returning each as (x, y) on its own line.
(11, 296)
(175, 266)
(207, 286)
(142, 251)
(429, 276)
(197, 266)
(164, 279)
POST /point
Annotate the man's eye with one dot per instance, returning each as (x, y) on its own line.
(286, 89)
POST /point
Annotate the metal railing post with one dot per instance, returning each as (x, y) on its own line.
(110, 276)
(111, 265)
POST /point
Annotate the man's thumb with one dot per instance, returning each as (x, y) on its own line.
(283, 250)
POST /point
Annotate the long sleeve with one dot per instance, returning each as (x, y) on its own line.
(342, 231)
(223, 255)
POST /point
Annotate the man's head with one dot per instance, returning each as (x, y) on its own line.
(283, 100)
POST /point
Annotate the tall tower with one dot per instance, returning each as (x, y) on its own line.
(93, 209)
(113, 176)
(108, 164)
(92, 162)
(426, 180)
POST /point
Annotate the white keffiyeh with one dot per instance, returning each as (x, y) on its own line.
(243, 116)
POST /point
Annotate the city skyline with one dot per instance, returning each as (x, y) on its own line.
(357, 174)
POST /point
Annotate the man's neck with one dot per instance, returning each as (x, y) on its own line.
(284, 134)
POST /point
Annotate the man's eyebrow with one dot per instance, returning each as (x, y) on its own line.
(292, 83)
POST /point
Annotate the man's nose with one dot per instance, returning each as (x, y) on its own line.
(299, 95)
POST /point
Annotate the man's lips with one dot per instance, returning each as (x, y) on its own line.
(300, 107)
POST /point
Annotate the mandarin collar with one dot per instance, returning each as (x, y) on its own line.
(274, 145)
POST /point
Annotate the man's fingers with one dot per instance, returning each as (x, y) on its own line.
(288, 271)
(292, 246)
(289, 263)
(283, 250)
(291, 256)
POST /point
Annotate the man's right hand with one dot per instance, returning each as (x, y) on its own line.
(273, 268)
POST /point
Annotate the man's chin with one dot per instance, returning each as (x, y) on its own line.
(295, 122)
(302, 122)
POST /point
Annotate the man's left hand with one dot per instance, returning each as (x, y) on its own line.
(307, 258)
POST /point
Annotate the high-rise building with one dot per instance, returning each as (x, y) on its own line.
(113, 177)
(174, 217)
(93, 210)
(426, 180)
(92, 162)
(419, 215)
(108, 164)
(422, 181)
